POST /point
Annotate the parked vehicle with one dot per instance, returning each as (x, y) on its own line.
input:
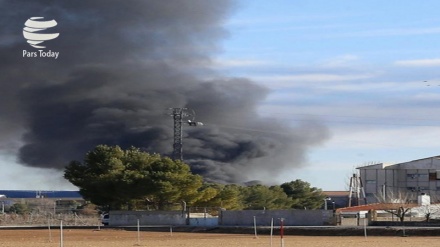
(105, 219)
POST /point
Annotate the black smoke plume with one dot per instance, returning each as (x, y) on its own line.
(121, 64)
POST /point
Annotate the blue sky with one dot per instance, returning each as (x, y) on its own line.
(362, 68)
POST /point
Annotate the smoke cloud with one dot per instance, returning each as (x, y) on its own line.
(121, 64)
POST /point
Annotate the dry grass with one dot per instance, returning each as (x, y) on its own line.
(120, 238)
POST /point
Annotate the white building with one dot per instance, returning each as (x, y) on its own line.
(409, 178)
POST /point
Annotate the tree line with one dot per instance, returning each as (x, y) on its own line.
(118, 179)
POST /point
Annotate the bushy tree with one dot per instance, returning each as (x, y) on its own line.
(119, 179)
(303, 195)
(230, 197)
(172, 181)
(264, 197)
(219, 195)
(113, 178)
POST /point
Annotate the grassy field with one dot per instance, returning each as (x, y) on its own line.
(121, 238)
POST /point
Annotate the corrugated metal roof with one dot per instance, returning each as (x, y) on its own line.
(376, 206)
(336, 193)
(44, 193)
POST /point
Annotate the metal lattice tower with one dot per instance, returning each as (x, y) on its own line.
(179, 115)
(177, 144)
(357, 189)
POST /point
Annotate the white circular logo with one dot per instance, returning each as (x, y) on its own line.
(32, 28)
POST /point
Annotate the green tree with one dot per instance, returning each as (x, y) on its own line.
(172, 181)
(219, 195)
(208, 195)
(264, 197)
(303, 195)
(118, 179)
(230, 197)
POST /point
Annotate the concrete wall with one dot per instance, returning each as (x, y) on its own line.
(353, 221)
(129, 218)
(264, 217)
(203, 221)
(226, 218)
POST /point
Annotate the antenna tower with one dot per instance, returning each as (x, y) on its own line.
(180, 115)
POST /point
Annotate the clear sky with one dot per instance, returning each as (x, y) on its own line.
(368, 70)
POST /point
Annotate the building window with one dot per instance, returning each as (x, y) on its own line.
(414, 189)
(433, 176)
(415, 176)
(371, 181)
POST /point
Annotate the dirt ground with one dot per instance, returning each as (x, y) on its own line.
(122, 238)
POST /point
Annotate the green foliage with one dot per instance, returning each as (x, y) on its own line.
(119, 179)
(230, 197)
(264, 197)
(113, 178)
(172, 181)
(303, 195)
(218, 195)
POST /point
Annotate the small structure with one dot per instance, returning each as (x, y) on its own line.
(424, 200)
(335, 199)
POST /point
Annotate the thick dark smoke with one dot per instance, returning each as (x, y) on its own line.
(121, 64)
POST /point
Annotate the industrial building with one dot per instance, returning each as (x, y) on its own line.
(402, 181)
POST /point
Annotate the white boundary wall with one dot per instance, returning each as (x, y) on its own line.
(129, 218)
(264, 217)
(226, 218)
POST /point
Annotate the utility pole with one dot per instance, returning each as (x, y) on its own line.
(179, 115)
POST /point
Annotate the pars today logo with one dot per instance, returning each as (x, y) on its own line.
(35, 32)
